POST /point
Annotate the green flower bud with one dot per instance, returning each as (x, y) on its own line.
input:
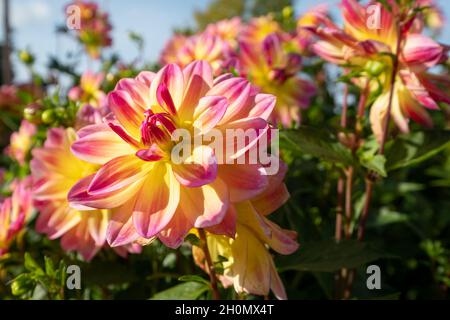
(374, 68)
(48, 116)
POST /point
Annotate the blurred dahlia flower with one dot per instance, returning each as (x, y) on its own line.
(21, 142)
(89, 90)
(150, 194)
(269, 66)
(14, 213)
(55, 170)
(364, 49)
(227, 30)
(204, 46)
(259, 28)
(95, 28)
(170, 52)
(245, 258)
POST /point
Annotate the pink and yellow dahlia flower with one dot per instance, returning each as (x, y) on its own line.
(95, 28)
(228, 30)
(359, 47)
(245, 258)
(89, 90)
(259, 28)
(21, 142)
(204, 46)
(150, 194)
(55, 170)
(14, 213)
(276, 71)
(170, 52)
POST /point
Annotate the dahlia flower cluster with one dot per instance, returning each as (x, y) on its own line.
(261, 51)
(94, 29)
(168, 156)
(365, 50)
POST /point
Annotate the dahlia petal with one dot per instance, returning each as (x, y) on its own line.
(100, 145)
(146, 77)
(264, 105)
(244, 181)
(228, 225)
(121, 229)
(378, 113)
(420, 50)
(138, 91)
(205, 206)
(172, 77)
(276, 285)
(237, 91)
(198, 169)
(247, 131)
(80, 199)
(118, 173)
(97, 224)
(251, 263)
(199, 79)
(156, 202)
(418, 90)
(129, 114)
(209, 112)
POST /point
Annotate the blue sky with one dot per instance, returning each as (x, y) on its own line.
(34, 23)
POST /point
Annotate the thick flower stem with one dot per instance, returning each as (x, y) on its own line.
(209, 265)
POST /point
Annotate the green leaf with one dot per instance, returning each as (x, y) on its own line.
(375, 163)
(318, 143)
(193, 278)
(183, 291)
(329, 256)
(31, 265)
(411, 149)
(49, 267)
(386, 217)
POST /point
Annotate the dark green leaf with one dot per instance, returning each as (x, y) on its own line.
(193, 278)
(329, 256)
(183, 291)
(318, 143)
(411, 149)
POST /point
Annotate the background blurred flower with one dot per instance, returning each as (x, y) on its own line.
(204, 46)
(364, 50)
(89, 90)
(269, 66)
(55, 170)
(14, 213)
(95, 28)
(21, 142)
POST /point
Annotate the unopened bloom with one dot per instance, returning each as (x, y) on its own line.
(55, 170)
(245, 258)
(275, 71)
(157, 195)
(14, 213)
(94, 30)
(364, 49)
(21, 142)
